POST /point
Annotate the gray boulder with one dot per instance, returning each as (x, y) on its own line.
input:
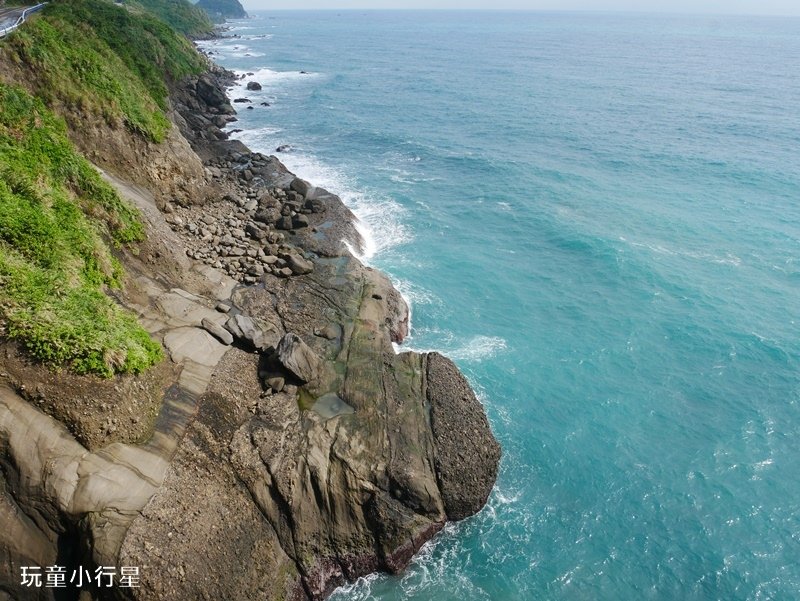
(301, 186)
(284, 223)
(298, 358)
(210, 92)
(255, 232)
(267, 215)
(248, 330)
(298, 264)
(216, 330)
(299, 221)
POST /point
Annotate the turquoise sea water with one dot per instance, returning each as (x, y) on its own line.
(598, 217)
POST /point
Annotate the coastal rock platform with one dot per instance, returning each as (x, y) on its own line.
(291, 448)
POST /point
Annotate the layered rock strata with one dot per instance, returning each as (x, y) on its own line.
(293, 449)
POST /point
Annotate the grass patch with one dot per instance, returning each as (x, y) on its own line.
(56, 215)
(102, 60)
(181, 15)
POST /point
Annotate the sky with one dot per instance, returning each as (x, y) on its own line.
(761, 7)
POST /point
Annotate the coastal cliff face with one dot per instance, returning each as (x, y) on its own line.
(283, 446)
(219, 10)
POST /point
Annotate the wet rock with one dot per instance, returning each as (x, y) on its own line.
(467, 455)
(253, 85)
(315, 205)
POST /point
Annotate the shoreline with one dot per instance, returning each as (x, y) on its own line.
(284, 446)
(452, 474)
(370, 247)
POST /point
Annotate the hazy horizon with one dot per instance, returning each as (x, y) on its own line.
(721, 7)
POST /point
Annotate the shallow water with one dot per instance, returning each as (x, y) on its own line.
(598, 218)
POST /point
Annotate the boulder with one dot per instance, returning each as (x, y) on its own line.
(298, 264)
(267, 215)
(298, 359)
(301, 186)
(253, 85)
(249, 331)
(210, 92)
(315, 205)
(216, 330)
(284, 223)
(255, 232)
(299, 221)
(467, 454)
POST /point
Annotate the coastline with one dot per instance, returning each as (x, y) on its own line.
(323, 229)
(284, 446)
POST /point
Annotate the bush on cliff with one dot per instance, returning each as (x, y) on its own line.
(104, 61)
(219, 10)
(56, 217)
(181, 15)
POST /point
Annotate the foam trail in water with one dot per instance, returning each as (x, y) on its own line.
(476, 349)
(379, 218)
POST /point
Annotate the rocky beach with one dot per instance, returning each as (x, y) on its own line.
(282, 447)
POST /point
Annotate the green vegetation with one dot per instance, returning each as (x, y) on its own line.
(181, 15)
(219, 10)
(90, 61)
(55, 215)
(98, 59)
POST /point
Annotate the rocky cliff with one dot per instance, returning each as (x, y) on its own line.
(283, 446)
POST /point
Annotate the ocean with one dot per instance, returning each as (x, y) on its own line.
(597, 216)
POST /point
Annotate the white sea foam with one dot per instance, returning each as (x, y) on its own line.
(474, 350)
(660, 249)
(360, 590)
(269, 77)
(479, 348)
(380, 218)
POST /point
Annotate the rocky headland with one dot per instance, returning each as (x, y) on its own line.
(283, 447)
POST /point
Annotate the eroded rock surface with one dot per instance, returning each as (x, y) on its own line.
(294, 448)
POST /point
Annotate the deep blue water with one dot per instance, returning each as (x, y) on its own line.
(598, 217)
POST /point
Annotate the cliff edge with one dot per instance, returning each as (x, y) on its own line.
(281, 447)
